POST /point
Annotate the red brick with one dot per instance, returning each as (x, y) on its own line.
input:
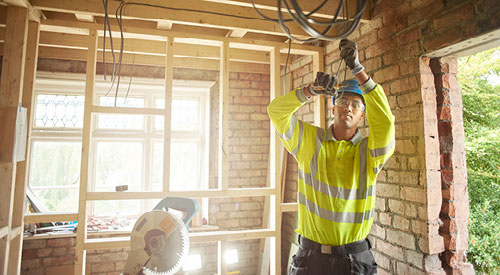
(34, 244)
(57, 261)
(455, 18)
(250, 76)
(31, 263)
(29, 253)
(443, 39)
(444, 112)
(410, 36)
(103, 267)
(260, 85)
(233, 75)
(61, 242)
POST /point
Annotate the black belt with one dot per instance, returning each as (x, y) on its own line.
(341, 250)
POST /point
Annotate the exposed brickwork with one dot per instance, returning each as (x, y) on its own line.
(408, 234)
(455, 209)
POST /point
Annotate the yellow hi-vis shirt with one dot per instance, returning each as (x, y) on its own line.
(337, 178)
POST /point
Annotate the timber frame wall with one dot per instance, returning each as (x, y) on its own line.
(82, 41)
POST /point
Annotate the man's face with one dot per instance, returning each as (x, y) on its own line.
(348, 111)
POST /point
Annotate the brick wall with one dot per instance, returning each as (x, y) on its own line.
(417, 228)
(455, 209)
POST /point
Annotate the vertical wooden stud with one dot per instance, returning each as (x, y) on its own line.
(81, 236)
(221, 257)
(167, 133)
(275, 173)
(319, 101)
(22, 167)
(224, 116)
(11, 85)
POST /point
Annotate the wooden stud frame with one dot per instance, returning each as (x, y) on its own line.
(229, 49)
(11, 88)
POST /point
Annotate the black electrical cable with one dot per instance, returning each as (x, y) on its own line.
(306, 22)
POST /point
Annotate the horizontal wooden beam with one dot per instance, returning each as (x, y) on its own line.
(50, 217)
(142, 46)
(16, 231)
(34, 15)
(289, 207)
(179, 62)
(4, 231)
(155, 34)
(188, 12)
(194, 237)
(128, 111)
(236, 192)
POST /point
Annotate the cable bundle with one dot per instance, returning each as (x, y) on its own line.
(345, 24)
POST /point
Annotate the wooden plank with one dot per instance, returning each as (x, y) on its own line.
(11, 85)
(4, 231)
(22, 167)
(167, 133)
(237, 33)
(81, 236)
(15, 232)
(34, 15)
(179, 62)
(145, 33)
(224, 117)
(289, 207)
(50, 217)
(237, 17)
(319, 101)
(275, 173)
(127, 110)
(194, 237)
(142, 46)
(164, 25)
(84, 17)
(231, 192)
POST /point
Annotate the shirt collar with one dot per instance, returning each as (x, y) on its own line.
(355, 139)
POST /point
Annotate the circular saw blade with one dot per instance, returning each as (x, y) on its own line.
(159, 243)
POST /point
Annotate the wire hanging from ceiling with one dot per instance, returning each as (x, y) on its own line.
(344, 24)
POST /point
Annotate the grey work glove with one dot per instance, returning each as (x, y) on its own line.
(324, 84)
(349, 52)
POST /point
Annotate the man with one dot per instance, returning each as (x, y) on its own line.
(337, 169)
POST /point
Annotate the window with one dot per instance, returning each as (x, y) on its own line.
(127, 149)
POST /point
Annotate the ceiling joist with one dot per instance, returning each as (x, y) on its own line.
(206, 14)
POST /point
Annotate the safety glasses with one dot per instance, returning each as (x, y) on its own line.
(356, 105)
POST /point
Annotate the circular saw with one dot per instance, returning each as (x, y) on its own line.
(159, 240)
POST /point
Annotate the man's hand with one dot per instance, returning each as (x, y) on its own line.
(324, 84)
(349, 52)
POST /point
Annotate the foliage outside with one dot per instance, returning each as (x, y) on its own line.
(479, 78)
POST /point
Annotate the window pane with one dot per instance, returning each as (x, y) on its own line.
(118, 163)
(185, 114)
(184, 163)
(131, 102)
(54, 174)
(64, 111)
(184, 166)
(124, 122)
(157, 166)
(118, 208)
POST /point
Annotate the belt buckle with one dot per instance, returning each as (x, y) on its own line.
(326, 249)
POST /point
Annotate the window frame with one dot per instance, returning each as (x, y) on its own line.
(153, 89)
